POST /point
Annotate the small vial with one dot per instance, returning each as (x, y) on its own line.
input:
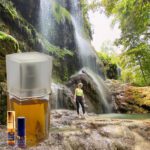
(11, 127)
(21, 132)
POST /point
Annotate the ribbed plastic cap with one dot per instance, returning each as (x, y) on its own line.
(29, 74)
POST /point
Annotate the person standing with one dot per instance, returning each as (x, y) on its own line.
(79, 99)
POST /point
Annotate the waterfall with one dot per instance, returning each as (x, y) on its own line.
(55, 102)
(86, 53)
(61, 96)
(101, 89)
(45, 17)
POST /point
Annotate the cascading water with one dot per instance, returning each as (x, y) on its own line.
(45, 17)
(57, 96)
(101, 89)
(86, 53)
(61, 96)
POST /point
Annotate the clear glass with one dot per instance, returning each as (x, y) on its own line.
(37, 114)
(28, 74)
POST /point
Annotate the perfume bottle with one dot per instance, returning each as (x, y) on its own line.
(28, 81)
(11, 127)
(21, 135)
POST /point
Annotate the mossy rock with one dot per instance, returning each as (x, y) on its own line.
(3, 103)
(60, 13)
(139, 98)
(8, 45)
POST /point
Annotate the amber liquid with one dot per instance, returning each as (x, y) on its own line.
(36, 113)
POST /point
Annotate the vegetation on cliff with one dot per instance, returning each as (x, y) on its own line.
(133, 16)
(8, 45)
(111, 69)
(60, 13)
(27, 36)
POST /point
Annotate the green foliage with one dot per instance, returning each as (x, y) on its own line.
(60, 13)
(9, 6)
(28, 31)
(94, 5)
(110, 65)
(8, 44)
(133, 16)
(60, 71)
(11, 17)
(54, 50)
(137, 61)
(4, 36)
(87, 25)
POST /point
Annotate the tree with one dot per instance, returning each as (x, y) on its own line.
(133, 16)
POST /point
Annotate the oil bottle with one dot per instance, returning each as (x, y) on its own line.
(28, 81)
(11, 127)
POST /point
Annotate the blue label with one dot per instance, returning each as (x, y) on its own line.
(11, 136)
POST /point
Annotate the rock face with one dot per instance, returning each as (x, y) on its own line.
(61, 97)
(68, 132)
(29, 9)
(129, 99)
(97, 97)
(8, 45)
(19, 19)
(3, 103)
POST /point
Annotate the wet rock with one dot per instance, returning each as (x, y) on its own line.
(62, 97)
(92, 133)
(97, 96)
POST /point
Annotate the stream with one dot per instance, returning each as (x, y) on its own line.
(125, 116)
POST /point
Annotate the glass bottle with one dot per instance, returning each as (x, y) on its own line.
(28, 81)
(11, 128)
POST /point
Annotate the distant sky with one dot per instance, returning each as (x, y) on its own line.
(102, 28)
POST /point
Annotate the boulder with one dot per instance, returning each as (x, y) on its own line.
(128, 98)
(61, 97)
(97, 96)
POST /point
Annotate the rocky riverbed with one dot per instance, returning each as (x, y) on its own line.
(95, 132)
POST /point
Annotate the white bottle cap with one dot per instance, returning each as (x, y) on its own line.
(28, 74)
